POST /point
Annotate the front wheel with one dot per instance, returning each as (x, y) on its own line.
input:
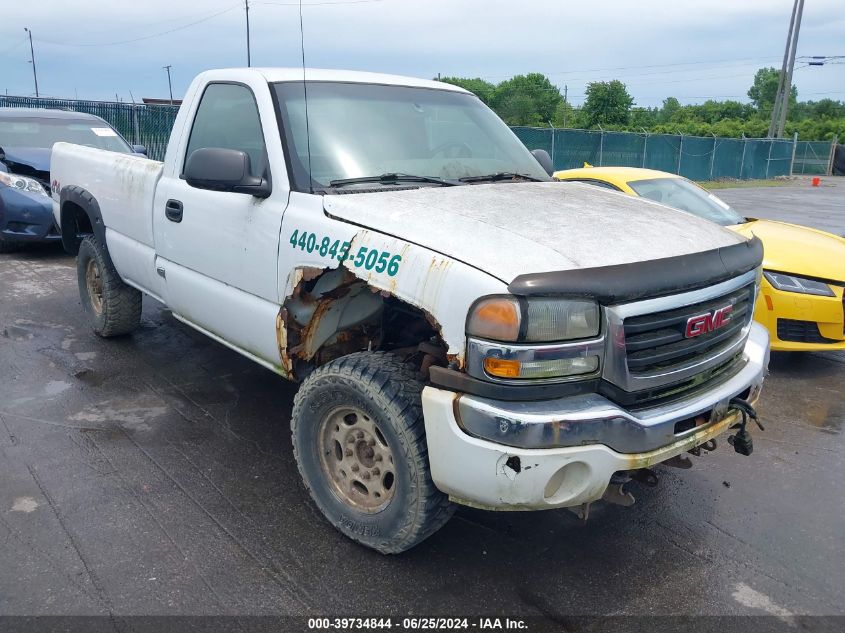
(359, 442)
(113, 306)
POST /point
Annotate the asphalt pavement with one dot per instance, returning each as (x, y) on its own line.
(153, 475)
(821, 207)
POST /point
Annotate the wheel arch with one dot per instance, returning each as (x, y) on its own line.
(79, 215)
(331, 313)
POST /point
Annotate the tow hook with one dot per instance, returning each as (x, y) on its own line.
(742, 442)
(615, 492)
(709, 446)
(679, 461)
(645, 476)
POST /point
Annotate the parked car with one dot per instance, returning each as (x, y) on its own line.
(27, 136)
(464, 329)
(802, 302)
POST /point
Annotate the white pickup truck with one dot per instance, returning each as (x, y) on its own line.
(464, 329)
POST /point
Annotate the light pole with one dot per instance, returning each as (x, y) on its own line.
(169, 85)
(32, 57)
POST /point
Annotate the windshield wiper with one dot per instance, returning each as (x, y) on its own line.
(502, 175)
(391, 178)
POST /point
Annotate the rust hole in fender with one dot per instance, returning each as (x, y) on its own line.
(332, 313)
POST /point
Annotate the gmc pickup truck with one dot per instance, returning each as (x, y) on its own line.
(464, 329)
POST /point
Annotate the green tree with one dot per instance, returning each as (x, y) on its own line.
(764, 90)
(482, 89)
(643, 118)
(671, 106)
(530, 99)
(607, 103)
(828, 109)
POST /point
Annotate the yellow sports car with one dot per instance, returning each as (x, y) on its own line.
(801, 302)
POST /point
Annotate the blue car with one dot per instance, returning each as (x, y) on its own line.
(26, 141)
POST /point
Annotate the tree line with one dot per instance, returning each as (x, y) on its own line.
(533, 100)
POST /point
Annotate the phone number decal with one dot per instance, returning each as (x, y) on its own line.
(366, 258)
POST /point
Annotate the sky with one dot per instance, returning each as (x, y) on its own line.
(690, 49)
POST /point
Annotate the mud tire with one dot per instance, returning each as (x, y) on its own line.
(116, 309)
(387, 392)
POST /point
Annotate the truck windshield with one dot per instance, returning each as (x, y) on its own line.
(366, 130)
(687, 196)
(43, 132)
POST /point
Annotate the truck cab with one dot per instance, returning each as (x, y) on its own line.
(464, 329)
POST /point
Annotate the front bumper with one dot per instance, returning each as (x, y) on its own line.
(26, 217)
(808, 323)
(521, 476)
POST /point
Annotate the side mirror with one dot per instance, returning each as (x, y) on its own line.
(544, 159)
(220, 169)
(139, 149)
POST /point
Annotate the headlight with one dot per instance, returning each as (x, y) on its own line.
(790, 283)
(541, 338)
(21, 183)
(533, 320)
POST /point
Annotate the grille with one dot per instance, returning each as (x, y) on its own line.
(657, 341)
(801, 332)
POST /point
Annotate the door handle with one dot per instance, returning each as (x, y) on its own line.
(173, 210)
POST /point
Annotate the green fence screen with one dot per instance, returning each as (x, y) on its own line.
(812, 157)
(696, 157)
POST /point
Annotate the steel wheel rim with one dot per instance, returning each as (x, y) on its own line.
(94, 284)
(356, 460)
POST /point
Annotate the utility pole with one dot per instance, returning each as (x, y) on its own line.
(169, 85)
(565, 103)
(787, 89)
(776, 105)
(248, 56)
(785, 80)
(32, 57)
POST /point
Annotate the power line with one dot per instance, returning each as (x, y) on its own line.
(658, 73)
(676, 64)
(145, 37)
(318, 4)
(9, 49)
(199, 21)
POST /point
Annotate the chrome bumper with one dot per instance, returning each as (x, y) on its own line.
(593, 419)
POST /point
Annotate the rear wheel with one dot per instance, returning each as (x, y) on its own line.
(113, 306)
(359, 442)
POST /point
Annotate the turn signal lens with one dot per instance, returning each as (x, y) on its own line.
(495, 318)
(554, 368)
(502, 368)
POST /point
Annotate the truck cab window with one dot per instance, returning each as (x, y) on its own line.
(227, 117)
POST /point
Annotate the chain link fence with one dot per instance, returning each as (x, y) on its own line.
(813, 157)
(696, 157)
(140, 124)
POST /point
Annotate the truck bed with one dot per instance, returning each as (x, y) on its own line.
(123, 185)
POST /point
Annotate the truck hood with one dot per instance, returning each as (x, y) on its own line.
(800, 250)
(31, 159)
(510, 229)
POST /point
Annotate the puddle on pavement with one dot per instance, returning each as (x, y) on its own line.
(826, 416)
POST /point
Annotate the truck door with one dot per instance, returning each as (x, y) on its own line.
(217, 250)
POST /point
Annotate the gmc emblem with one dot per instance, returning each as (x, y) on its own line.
(704, 323)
